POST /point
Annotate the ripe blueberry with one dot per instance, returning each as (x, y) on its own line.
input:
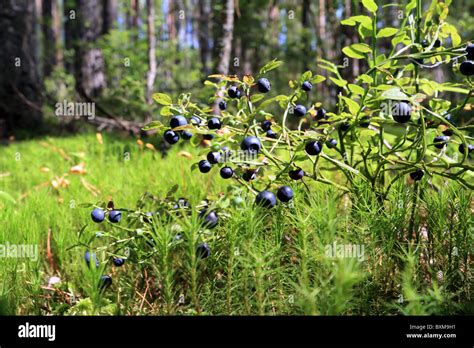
(265, 199)
(299, 110)
(296, 174)
(214, 123)
(345, 126)
(213, 157)
(203, 250)
(118, 262)
(186, 135)
(470, 51)
(307, 86)
(448, 132)
(266, 125)
(401, 112)
(222, 105)
(178, 121)
(195, 120)
(440, 141)
(115, 216)
(417, 175)
(320, 114)
(204, 166)
(331, 143)
(98, 215)
(285, 194)
(88, 256)
(425, 43)
(171, 137)
(263, 85)
(233, 92)
(226, 172)
(470, 148)
(364, 121)
(250, 144)
(271, 134)
(313, 147)
(210, 219)
(105, 282)
(437, 43)
(467, 68)
(249, 175)
(208, 136)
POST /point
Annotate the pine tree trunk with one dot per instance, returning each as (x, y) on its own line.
(226, 40)
(51, 28)
(20, 83)
(110, 15)
(151, 38)
(89, 61)
(205, 28)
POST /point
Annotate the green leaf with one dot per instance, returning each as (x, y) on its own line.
(338, 82)
(166, 111)
(351, 53)
(270, 66)
(162, 98)
(394, 94)
(365, 78)
(410, 6)
(356, 51)
(356, 89)
(365, 21)
(152, 125)
(370, 5)
(361, 47)
(386, 32)
(256, 97)
(317, 79)
(352, 105)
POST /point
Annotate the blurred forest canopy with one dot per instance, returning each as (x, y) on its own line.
(116, 53)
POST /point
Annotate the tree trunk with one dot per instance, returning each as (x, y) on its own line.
(305, 35)
(151, 74)
(226, 40)
(89, 62)
(70, 22)
(110, 15)
(205, 29)
(20, 84)
(225, 44)
(51, 28)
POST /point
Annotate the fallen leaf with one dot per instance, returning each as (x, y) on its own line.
(78, 169)
(185, 154)
(99, 138)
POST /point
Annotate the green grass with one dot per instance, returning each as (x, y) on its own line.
(261, 263)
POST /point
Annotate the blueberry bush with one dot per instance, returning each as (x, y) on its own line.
(385, 151)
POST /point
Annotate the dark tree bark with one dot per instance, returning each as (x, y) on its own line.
(51, 29)
(89, 61)
(205, 28)
(69, 9)
(305, 37)
(110, 15)
(20, 83)
(225, 43)
(226, 40)
(151, 74)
